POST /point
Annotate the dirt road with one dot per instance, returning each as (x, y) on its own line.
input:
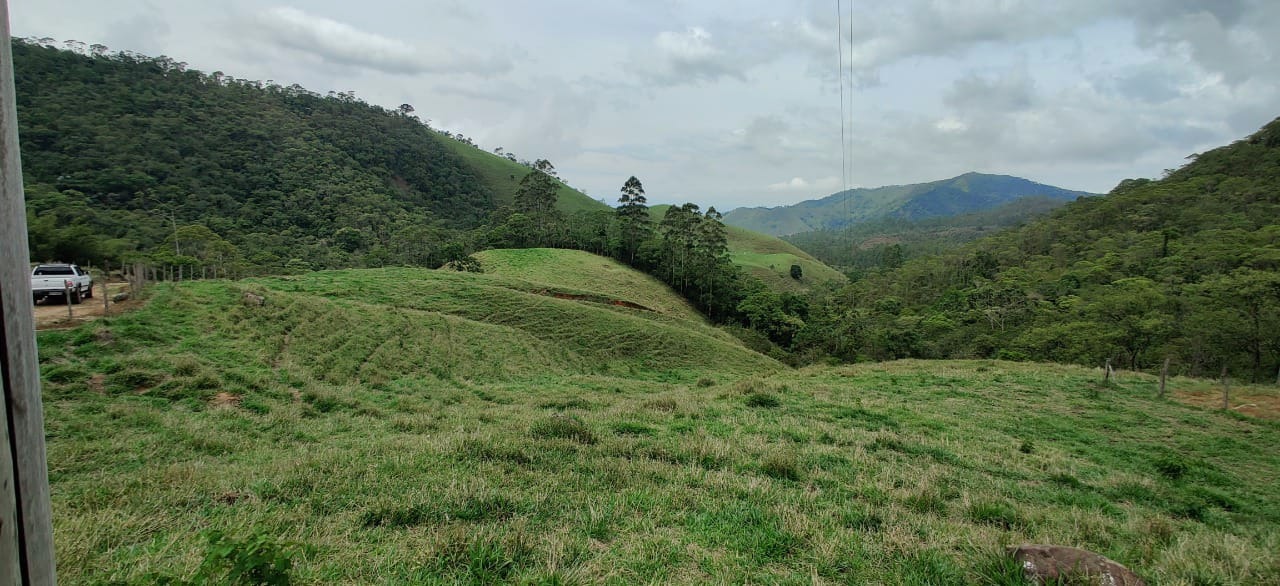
(52, 313)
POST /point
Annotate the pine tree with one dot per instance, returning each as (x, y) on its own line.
(633, 219)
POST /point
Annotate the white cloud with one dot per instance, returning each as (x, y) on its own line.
(342, 44)
(800, 184)
(688, 57)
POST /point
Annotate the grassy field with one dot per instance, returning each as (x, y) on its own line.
(588, 272)
(503, 177)
(769, 259)
(406, 427)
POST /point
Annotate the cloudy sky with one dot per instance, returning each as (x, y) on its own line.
(734, 103)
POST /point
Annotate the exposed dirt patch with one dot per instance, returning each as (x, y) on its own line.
(51, 314)
(225, 399)
(1245, 402)
(97, 383)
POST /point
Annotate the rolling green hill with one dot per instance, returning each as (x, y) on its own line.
(608, 279)
(603, 337)
(769, 258)
(966, 193)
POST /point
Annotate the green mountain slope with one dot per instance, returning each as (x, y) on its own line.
(117, 149)
(966, 193)
(891, 241)
(1186, 268)
(769, 258)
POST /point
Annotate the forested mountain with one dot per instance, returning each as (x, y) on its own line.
(119, 150)
(889, 242)
(1186, 267)
(970, 192)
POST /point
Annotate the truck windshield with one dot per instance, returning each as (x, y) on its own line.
(47, 271)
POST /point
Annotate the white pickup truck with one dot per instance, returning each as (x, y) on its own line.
(57, 280)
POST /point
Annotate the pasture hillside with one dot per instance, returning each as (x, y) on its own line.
(611, 280)
(409, 427)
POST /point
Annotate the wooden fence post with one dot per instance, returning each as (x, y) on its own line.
(1106, 372)
(26, 526)
(1164, 374)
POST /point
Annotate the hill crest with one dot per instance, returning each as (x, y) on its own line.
(970, 192)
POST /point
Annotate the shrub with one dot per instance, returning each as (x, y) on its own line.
(705, 382)
(255, 560)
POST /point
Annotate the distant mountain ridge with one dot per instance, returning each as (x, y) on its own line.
(970, 192)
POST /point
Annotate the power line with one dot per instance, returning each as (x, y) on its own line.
(840, 71)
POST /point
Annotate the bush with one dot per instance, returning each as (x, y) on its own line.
(255, 560)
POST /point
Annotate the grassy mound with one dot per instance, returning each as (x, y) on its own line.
(610, 338)
(587, 272)
(899, 473)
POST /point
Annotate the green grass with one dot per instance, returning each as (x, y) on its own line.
(503, 178)
(575, 269)
(492, 446)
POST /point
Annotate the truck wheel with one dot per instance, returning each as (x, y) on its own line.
(75, 296)
(88, 292)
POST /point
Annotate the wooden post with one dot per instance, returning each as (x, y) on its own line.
(26, 527)
(106, 300)
(1164, 374)
(66, 294)
(1106, 373)
(1226, 389)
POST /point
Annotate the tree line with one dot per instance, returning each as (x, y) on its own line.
(1186, 267)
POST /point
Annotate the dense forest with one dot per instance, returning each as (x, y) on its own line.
(1186, 268)
(121, 151)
